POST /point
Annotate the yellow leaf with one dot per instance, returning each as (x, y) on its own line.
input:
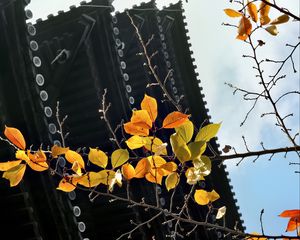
(142, 167)
(128, 171)
(172, 181)
(281, 19)
(15, 137)
(65, 186)
(203, 164)
(150, 105)
(221, 212)
(154, 144)
(119, 157)
(232, 13)
(98, 157)
(15, 174)
(156, 161)
(197, 149)
(252, 10)
(201, 197)
(272, 30)
(244, 28)
(114, 178)
(57, 150)
(193, 175)
(135, 142)
(72, 156)
(213, 196)
(93, 179)
(4, 166)
(141, 118)
(76, 168)
(186, 131)
(256, 238)
(208, 132)
(175, 119)
(264, 10)
(134, 129)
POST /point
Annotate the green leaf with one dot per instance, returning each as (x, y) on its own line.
(208, 132)
(197, 149)
(172, 181)
(180, 148)
(186, 131)
(119, 157)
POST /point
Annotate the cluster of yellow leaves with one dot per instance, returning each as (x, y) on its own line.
(14, 170)
(155, 167)
(116, 167)
(89, 179)
(252, 12)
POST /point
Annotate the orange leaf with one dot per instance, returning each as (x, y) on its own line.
(293, 224)
(15, 136)
(39, 156)
(142, 167)
(168, 168)
(30, 160)
(154, 177)
(4, 166)
(36, 161)
(264, 10)
(141, 118)
(57, 150)
(175, 119)
(252, 10)
(290, 213)
(15, 174)
(244, 28)
(72, 156)
(232, 13)
(133, 129)
(150, 105)
(128, 171)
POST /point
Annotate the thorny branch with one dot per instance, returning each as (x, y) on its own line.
(151, 68)
(103, 110)
(60, 125)
(180, 218)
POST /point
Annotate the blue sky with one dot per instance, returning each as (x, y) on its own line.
(270, 185)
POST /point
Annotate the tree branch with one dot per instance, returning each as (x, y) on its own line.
(256, 153)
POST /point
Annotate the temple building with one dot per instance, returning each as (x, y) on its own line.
(71, 58)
